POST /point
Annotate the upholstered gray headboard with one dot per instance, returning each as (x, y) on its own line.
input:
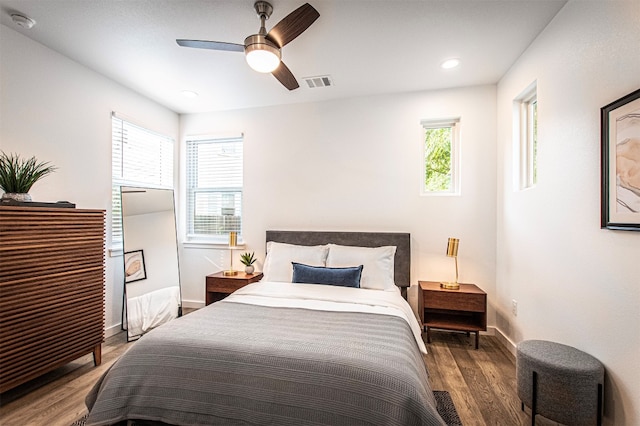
(402, 241)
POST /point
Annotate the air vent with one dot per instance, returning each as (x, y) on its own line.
(319, 81)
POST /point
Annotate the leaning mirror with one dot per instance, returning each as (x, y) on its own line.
(151, 274)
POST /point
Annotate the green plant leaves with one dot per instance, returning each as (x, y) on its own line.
(247, 258)
(18, 175)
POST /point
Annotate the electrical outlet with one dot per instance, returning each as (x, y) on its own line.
(514, 307)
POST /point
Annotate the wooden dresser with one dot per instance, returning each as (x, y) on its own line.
(51, 289)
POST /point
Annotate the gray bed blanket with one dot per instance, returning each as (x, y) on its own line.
(238, 364)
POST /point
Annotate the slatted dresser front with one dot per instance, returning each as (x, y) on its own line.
(51, 289)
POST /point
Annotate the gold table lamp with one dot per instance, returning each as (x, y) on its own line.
(233, 242)
(452, 251)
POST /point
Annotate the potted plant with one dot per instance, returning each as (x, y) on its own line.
(18, 175)
(248, 259)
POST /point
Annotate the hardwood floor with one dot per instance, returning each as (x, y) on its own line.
(481, 383)
(57, 398)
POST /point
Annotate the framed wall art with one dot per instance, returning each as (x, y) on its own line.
(620, 136)
(134, 269)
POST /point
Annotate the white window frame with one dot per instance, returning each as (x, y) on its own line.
(193, 239)
(119, 176)
(525, 138)
(438, 123)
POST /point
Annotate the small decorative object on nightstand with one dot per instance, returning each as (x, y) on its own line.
(452, 251)
(248, 259)
(464, 309)
(220, 285)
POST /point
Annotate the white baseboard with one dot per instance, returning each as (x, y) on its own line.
(194, 304)
(505, 341)
(113, 330)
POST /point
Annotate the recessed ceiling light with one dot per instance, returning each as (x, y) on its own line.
(22, 20)
(189, 94)
(450, 63)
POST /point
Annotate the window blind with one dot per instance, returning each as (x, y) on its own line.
(214, 188)
(139, 157)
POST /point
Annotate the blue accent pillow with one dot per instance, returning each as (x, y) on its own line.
(345, 277)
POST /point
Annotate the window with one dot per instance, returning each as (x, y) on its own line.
(440, 156)
(214, 189)
(526, 137)
(139, 157)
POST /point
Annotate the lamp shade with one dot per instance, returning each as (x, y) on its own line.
(452, 251)
(233, 239)
(262, 55)
(452, 247)
(233, 242)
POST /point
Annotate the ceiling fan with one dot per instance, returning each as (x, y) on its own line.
(263, 50)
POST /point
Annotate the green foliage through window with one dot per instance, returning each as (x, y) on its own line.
(437, 152)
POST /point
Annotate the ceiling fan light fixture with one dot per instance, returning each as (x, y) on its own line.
(263, 61)
(261, 54)
(263, 50)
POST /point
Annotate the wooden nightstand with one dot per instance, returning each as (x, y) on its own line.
(461, 310)
(219, 286)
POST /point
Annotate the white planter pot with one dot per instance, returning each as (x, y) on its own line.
(16, 196)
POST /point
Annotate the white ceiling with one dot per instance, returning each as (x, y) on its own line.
(367, 47)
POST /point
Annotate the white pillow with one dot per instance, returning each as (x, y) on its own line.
(277, 264)
(377, 262)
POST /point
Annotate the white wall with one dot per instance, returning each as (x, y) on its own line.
(355, 165)
(575, 283)
(60, 111)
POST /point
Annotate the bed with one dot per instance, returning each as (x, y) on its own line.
(325, 338)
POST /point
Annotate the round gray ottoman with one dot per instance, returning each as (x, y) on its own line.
(559, 382)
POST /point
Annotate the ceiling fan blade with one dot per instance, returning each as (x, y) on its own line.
(212, 45)
(292, 25)
(284, 76)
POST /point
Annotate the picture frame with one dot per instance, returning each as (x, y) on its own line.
(134, 269)
(620, 168)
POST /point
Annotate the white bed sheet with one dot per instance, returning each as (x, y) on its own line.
(330, 298)
(151, 310)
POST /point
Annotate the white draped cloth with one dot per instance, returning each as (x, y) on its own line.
(150, 310)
